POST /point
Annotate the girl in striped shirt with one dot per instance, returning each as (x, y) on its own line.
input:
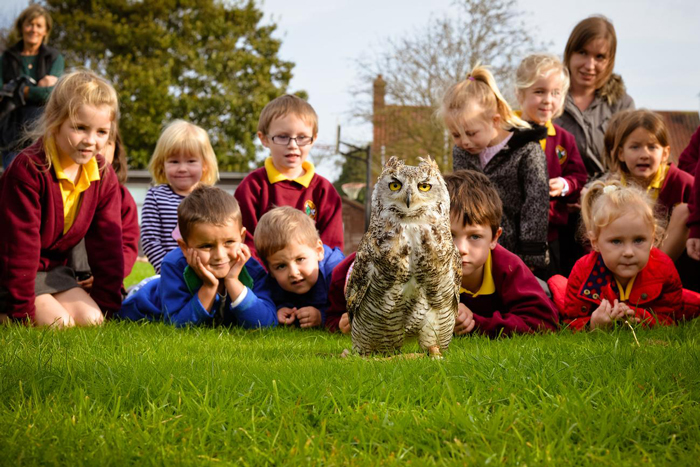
(183, 158)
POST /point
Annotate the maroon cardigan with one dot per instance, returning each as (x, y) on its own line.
(130, 229)
(256, 195)
(694, 207)
(677, 188)
(32, 239)
(690, 155)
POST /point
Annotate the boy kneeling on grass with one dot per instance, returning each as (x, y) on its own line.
(211, 278)
(499, 294)
(299, 265)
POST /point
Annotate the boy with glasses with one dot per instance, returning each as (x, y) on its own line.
(288, 127)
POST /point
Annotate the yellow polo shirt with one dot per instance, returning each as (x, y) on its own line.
(656, 183)
(487, 285)
(70, 192)
(274, 175)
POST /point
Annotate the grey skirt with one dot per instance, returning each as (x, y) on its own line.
(59, 279)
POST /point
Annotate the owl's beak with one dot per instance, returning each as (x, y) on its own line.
(408, 199)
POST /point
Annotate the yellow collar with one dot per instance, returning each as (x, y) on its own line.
(89, 172)
(625, 292)
(487, 285)
(656, 183)
(274, 175)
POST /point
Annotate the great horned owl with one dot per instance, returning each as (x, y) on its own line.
(406, 276)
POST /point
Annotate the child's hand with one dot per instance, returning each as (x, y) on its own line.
(556, 186)
(195, 262)
(344, 324)
(693, 247)
(309, 317)
(242, 254)
(287, 316)
(621, 311)
(464, 322)
(87, 284)
(607, 313)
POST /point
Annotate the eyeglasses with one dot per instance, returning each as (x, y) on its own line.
(284, 140)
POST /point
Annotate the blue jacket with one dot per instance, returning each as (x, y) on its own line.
(173, 298)
(317, 297)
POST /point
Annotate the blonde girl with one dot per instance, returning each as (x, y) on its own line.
(57, 192)
(183, 159)
(489, 138)
(625, 277)
(541, 85)
(640, 155)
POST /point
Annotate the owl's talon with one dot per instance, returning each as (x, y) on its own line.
(434, 352)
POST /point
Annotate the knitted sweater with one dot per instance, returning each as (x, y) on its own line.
(519, 174)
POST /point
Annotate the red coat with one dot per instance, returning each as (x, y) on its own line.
(656, 296)
(32, 238)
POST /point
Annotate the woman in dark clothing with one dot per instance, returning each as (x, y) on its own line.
(28, 57)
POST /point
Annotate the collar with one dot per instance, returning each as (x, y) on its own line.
(274, 175)
(488, 287)
(625, 292)
(89, 172)
(656, 183)
(551, 131)
(601, 276)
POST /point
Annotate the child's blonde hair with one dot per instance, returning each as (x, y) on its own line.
(536, 66)
(604, 202)
(630, 121)
(72, 91)
(478, 92)
(280, 226)
(283, 106)
(183, 137)
(609, 139)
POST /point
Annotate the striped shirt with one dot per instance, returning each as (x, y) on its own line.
(158, 220)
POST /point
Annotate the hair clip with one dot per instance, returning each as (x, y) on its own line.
(470, 78)
(609, 189)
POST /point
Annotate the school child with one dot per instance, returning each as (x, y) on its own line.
(115, 155)
(57, 192)
(183, 159)
(489, 138)
(499, 295)
(288, 127)
(625, 277)
(541, 85)
(299, 265)
(211, 278)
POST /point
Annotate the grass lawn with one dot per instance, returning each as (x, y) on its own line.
(140, 271)
(153, 394)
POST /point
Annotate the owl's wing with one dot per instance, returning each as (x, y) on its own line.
(359, 282)
(457, 268)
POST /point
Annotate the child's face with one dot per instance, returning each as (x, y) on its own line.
(477, 133)
(625, 245)
(215, 245)
(295, 267)
(78, 140)
(642, 154)
(183, 171)
(474, 242)
(587, 65)
(288, 157)
(543, 99)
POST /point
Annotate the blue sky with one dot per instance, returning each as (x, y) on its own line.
(658, 51)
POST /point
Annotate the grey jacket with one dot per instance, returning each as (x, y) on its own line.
(588, 127)
(519, 174)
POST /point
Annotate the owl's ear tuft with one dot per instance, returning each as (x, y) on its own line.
(393, 163)
(430, 162)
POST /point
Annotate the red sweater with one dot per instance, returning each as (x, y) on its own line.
(130, 229)
(563, 160)
(656, 295)
(690, 155)
(519, 304)
(256, 195)
(32, 238)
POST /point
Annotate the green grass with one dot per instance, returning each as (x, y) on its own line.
(140, 271)
(153, 394)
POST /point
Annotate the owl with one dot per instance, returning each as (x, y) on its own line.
(406, 277)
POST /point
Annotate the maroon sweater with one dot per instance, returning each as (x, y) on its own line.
(694, 207)
(256, 195)
(32, 238)
(690, 155)
(336, 293)
(130, 229)
(563, 160)
(677, 188)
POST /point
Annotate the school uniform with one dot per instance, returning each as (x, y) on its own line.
(337, 305)
(688, 159)
(266, 188)
(35, 239)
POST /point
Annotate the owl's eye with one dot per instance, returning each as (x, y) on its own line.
(424, 186)
(395, 186)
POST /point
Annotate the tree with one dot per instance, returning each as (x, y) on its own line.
(206, 61)
(419, 66)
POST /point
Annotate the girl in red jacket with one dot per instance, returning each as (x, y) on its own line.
(625, 277)
(57, 192)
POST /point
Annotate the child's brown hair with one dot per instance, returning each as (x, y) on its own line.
(609, 139)
(280, 226)
(473, 199)
(631, 120)
(283, 106)
(207, 205)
